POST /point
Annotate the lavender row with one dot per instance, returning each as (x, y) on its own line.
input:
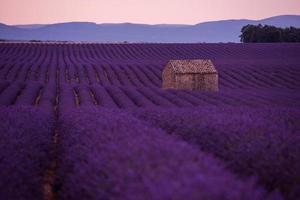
(74, 95)
(80, 64)
(143, 76)
(107, 154)
(95, 52)
(25, 145)
(252, 141)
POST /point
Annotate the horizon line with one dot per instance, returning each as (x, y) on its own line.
(152, 24)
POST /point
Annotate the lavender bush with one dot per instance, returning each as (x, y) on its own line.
(262, 141)
(26, 138)
(251, 125)
(108, 154)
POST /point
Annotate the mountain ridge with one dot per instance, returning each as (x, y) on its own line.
(211, 31)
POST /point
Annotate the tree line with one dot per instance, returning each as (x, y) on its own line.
(266, 33)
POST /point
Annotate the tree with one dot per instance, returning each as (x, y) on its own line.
(266, 33)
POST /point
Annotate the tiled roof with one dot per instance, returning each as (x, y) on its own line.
(192, 66)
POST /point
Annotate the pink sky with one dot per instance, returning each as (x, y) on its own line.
(141, 11)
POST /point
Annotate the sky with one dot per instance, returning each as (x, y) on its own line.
(141, 11)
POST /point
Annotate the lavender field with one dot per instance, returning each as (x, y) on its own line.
(90, 121)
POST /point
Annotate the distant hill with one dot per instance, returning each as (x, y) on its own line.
(30, 26)
(215, 31)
